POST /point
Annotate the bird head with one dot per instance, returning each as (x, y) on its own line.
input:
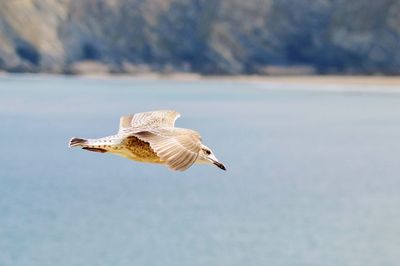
(207, 156)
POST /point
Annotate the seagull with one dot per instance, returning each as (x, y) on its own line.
(152, 137)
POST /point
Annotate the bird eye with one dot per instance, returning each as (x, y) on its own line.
(207, 152)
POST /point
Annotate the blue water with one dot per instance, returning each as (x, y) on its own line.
(313, 175)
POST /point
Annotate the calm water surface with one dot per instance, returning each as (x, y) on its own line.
(313, 176)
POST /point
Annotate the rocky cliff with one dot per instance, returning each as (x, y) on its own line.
(209, 37)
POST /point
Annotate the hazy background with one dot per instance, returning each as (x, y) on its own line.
(312, 162)
(209, 37)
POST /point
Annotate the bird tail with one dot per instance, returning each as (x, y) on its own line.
(74, 142)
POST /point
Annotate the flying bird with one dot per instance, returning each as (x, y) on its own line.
(151, 137)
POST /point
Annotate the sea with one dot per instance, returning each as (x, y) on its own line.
(313, 175)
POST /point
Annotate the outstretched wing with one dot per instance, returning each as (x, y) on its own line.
(148, 120)
(178, 147)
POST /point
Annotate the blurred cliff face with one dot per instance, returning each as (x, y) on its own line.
(211, 37)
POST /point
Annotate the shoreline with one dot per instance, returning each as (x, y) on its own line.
(187, 77)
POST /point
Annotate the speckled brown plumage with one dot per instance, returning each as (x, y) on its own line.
(138, 150)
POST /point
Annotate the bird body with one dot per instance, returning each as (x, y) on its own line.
(151, 137)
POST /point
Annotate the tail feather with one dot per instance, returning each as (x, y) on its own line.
(74, 142)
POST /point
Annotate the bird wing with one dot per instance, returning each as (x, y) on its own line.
(143, 121)
(178, 147)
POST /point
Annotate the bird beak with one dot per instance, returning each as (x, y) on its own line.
(220, 165)
(215, 161)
